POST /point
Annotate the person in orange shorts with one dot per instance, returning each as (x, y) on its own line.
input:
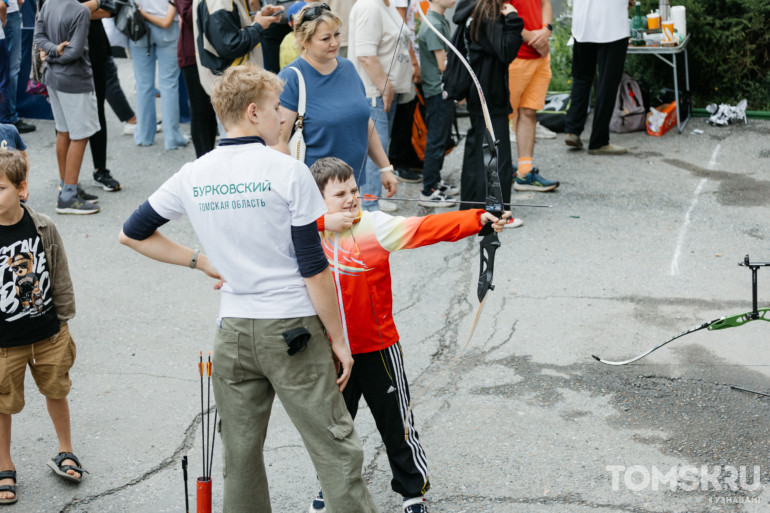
(528, 78)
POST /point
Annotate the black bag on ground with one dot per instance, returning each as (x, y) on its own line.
(629, 114)
(456, 81)
(667, 96)
(129, 20)
(554, 115)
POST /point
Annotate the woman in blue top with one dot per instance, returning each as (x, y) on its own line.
(337, 117)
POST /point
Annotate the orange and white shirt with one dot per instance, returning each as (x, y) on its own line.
(359, 260)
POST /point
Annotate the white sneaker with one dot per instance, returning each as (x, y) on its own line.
(130, 128)
(447, 189)
(542, 132)
(513, 222)
(435, 200)
(387, 206)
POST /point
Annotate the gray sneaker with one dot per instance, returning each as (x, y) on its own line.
(87, 197)
(76, 206)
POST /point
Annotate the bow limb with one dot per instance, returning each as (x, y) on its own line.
(687, 332)
(762, 314)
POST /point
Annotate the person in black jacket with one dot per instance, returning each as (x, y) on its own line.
(494, 40)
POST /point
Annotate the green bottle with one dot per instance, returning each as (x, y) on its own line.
(637, 27)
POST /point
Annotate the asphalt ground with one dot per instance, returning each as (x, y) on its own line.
(634, 250)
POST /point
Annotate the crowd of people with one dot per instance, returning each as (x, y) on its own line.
(307, 103)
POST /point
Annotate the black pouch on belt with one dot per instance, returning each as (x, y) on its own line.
(296, 339)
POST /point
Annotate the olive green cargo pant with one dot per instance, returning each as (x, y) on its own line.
(250, 367)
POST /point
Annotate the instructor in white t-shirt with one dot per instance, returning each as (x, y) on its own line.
(254, 211)
(600, 29)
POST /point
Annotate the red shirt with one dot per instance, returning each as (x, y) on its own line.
(531, 11)
(359, 260)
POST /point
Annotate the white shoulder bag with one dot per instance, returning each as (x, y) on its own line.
(297, 141)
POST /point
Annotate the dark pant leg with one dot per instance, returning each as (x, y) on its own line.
(272, 37)
(401, 152)
(473, 177)
(611, 59)
(98, 141)
(504, 163)
(114, 94)
(438, 119)
(386, 391)
(583, 72)
(5, 106)
(203, 120)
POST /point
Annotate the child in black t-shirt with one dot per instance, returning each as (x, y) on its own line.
(36, 301)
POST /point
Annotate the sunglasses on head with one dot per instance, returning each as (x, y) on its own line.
(313, 12)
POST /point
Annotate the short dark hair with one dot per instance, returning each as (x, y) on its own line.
(329, 168)
(13, 166)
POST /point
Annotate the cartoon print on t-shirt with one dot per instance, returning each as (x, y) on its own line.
(27, 281)
(25, 284)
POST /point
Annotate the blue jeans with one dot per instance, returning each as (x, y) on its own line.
(163, 51)
(383, 122)
(13, 44)
(438, 119)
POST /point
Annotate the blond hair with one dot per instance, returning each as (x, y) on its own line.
(239, 87)
(13, 166)
(303, 31)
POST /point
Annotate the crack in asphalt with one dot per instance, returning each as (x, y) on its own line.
(187, 442)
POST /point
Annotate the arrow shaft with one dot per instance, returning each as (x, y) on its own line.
(370, 197)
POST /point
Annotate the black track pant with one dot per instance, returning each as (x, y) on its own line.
(610, 58)
(380, 378)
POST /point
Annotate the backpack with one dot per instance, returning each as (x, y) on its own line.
(129, 20)
(456, 81)
(629, 114)
(420, 129)
(554, 115)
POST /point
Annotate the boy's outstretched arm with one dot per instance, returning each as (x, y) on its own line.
(322, 293)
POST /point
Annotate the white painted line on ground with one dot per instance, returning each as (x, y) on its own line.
(713, 160)
(683, 231)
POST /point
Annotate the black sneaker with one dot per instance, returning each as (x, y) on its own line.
(405, 175)
(416, 505)
(23, 127)
(75, 206)
(104, 178)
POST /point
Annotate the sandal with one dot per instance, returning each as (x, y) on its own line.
(61, 470)
(8, 474)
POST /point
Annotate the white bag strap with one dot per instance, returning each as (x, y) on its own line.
(301, 101)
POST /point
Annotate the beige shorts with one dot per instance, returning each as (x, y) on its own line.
(49, 361)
